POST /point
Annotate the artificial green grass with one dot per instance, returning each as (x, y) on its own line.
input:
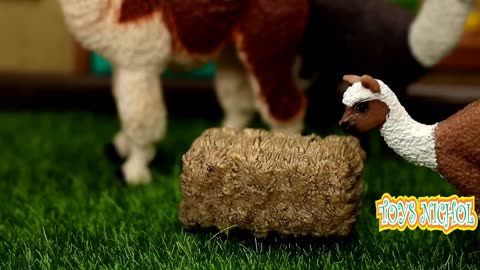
(62, 206)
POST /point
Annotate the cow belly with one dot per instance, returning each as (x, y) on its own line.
(202, 26)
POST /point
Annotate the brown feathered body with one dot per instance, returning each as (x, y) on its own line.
(457, 144)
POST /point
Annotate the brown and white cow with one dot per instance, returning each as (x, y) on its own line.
(254, 42)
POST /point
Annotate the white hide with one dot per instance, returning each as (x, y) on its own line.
(412, 140)
(143, 44)
(437, 29)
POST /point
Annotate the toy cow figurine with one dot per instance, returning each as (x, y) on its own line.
(451, 147)
(255, 44)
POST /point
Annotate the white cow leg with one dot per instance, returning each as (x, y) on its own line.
(234, 91)
(142, 114)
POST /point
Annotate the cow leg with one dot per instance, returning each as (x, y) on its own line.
(277, 97)
(142, 114)
(267, 43)
(234, 92)
(121, 144)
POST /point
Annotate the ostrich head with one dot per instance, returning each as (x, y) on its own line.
(365, 102)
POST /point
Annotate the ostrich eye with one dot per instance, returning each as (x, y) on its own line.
(362, 107)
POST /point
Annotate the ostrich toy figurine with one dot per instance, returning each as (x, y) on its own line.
(255, 44)
(450, 147)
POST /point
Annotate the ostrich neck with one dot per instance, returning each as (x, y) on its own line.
(412, 140)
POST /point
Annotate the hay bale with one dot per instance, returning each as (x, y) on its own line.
(270, 182)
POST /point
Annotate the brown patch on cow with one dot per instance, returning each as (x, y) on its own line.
(351, 79)
(132, 10)
(363, 121)
(268, 36)
(201, 26)
(370, 83)
(457, 142)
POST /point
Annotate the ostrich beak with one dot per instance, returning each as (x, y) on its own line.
(346, 122)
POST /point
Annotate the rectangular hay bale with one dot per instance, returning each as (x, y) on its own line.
(271, 182)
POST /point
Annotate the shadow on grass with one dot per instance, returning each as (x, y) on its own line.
(274, 239)
(163, 161)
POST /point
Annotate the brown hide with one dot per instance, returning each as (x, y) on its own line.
(202, 26)
(198, 26)
(269, 36)
(132, 10)
(458, 150)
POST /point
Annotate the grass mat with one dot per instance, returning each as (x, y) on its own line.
(62, 206)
